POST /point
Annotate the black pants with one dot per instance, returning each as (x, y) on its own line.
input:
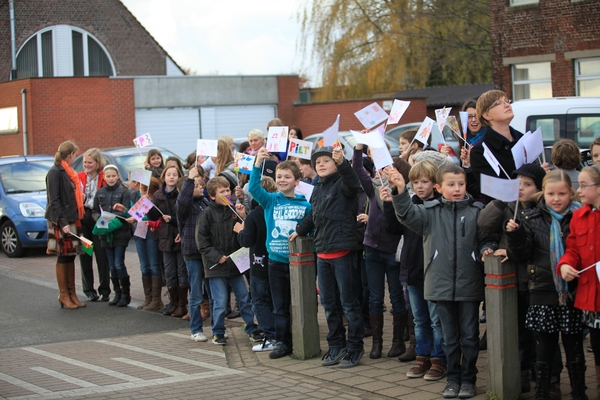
(87, 271)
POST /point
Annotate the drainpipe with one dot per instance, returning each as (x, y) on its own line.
(24, 110)
(13, 41)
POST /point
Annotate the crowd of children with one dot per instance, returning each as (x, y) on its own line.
(426, 235)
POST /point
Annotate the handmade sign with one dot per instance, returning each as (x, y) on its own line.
(398, 109)
(300, 148)
(371, 116)
(371, 139)
(243, 163)
(141, 208)
(140, 175)
(206, 148)
(424, 130)
(305, 189)
(143, 141)
(141, 230)
(241, 259)
(330, 135)
(381, 157)
(500, 189)
(441, 115)
(277, 138)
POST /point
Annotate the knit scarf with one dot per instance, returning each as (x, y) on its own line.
(377, 183)
(557, 250)
(77, 183)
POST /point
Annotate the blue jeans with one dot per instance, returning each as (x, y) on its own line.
(338, 283)
(460, 326)
(175, 271)
(149, 255)
(116, 262)
(262, 302)
(279, 280)
(428, 329)
(379, 265)
(195, 272)
(218, 289)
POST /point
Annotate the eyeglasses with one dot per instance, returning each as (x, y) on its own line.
(584, 186)
(472, 116)
(499, 103)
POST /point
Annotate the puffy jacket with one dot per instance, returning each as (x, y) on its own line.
(166, 202)
(452, 245)
(334, 210)
(530, 244)
(106, 198)
(60, 193)
(581, 251)
(188, 210)
(215, 238)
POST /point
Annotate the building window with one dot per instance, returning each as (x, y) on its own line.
(587, 76)
(521, 2)
(63, 50)
(532, 81)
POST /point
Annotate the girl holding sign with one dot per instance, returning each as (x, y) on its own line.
(154, 162)
(582, 251)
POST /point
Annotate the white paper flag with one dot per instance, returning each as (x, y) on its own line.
(441, 115)
(371, 116)
(300, 148)
(425, 130)
(500, 189)
(464, 121)
(241, 259)
(398, 109)
(206, 148)
(381, 157)
(304, 188)
(143, 141)
(330, 135)
(491, 159)
(372, 139)
(277, 138)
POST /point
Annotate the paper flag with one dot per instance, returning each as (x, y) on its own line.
(241, 259)
(141, 208)
(141, 230)
(243, 163)
(425, 130)
(453, 124)
(300, 148)
(500, 189)
(491, 159)
(381, 157)
(534, 144)
(464, 121)
(104, 219)
(206, 148)
(277, 138)
(140, 175)
(330, 135)
(87, 246)
(441, 115)
(371, 116)
(372, 139)
(143, 141)
(304, 188)
(398, 109)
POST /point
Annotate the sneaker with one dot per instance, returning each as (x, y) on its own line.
(333, 356)
(199, 337)
(219, 339)
(437, 370)
(256, 337)
(352, 358)
(266, 345)
(423, 365)
(280, 350)
(467, 390)
(451, 390)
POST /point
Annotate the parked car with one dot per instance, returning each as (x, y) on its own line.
(125, 158)
(348, 141)
(23, 203)
(436, 138)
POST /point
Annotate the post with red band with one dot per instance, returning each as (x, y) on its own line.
(504, 367)
(303, 288)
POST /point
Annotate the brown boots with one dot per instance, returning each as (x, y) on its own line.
(65, 277)
(147, 285)
(156, 292)
(411, 351)
(398, 347)
(181, 309)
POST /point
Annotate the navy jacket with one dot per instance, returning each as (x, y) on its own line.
(188, 210)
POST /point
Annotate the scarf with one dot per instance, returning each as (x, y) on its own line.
(376, 185)
(557, 250)
(77, 183)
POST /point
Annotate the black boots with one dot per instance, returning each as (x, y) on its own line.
(125, 293)
(181, 306)
(117, 290)
(411, 352)
(174, 295)
(398, 347)
(577, 377)
(542, 385)
(377, 330)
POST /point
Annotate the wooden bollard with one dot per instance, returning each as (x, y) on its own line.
(305, 327)
(504, 367)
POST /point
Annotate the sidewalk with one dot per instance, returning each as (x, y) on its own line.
(372, 379)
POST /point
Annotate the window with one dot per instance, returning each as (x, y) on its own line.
(9, 122)
(532, 81)
(63, 50)
(521, 2)
(587, 76)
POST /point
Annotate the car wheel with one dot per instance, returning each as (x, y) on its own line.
(10, 241)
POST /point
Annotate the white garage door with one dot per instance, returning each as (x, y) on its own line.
(234, 121)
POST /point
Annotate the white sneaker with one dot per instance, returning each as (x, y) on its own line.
(199, 337)
(266, 345)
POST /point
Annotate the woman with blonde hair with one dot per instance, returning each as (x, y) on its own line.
(64, 212)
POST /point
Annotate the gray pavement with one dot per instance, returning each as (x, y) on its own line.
(152, 357)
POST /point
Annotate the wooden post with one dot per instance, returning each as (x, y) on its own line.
(504, 368)
(305, 327)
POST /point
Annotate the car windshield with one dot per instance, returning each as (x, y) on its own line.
(24, 177)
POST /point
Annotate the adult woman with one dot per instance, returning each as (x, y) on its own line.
(92, 179)
(64, 211)
(256, 138)
(475, 130)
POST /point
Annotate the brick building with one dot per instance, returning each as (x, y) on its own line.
(548, 48)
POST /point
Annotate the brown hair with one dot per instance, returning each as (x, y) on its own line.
(155, 152)
(64, 150)
(179, 172)
(190, 160)
(402, 166)
(566, 154)
(177, 164)
(95, 154)
(424, 168)
(469, 104)
(484, 103)
(594, 173)
(412, 152)
(154, 186)
(449, 169)
(556, 175)
(596, 142)
(409, 136)
(274, 122)
(291, 166)
(268, 184)
(215, 183)
(224, 156)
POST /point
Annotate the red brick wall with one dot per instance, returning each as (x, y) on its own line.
(288, 90)
(94, 112)
(316, 117)
(551, 27)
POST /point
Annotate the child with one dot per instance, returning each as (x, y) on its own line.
(567, 156)
(333, 216)
(583, 250)
(216, 241)
(190, 204)
(408, 142)
(453, 276)
(253, 234)
(115, 242)
(154, 163)
(309, 175)
(285, 210)
(169, 241)
(491, 220)
(431, 361)
(595, 151)
(540, 243)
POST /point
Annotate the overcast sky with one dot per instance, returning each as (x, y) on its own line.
(226, 37)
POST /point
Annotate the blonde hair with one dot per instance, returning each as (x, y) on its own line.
(224, 156)
(256, 133)
(274, 122)
(227, 139)
(593, 172)
(423, 168)
(64, 149)
(268, 184)
(95, 154)
(555, 176)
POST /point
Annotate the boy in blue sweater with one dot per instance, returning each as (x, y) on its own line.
(283, 211)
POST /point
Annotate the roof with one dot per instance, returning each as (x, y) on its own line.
(454, 95)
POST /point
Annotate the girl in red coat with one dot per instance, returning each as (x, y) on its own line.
(582, 251)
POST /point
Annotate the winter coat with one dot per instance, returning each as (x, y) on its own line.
(188, 210)
(166, 202)
(530, 244)
(60, 194)
(334, 210)
(452, 245)
(581, 251)
(254, 236)
(215, 238)
(106, 198)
